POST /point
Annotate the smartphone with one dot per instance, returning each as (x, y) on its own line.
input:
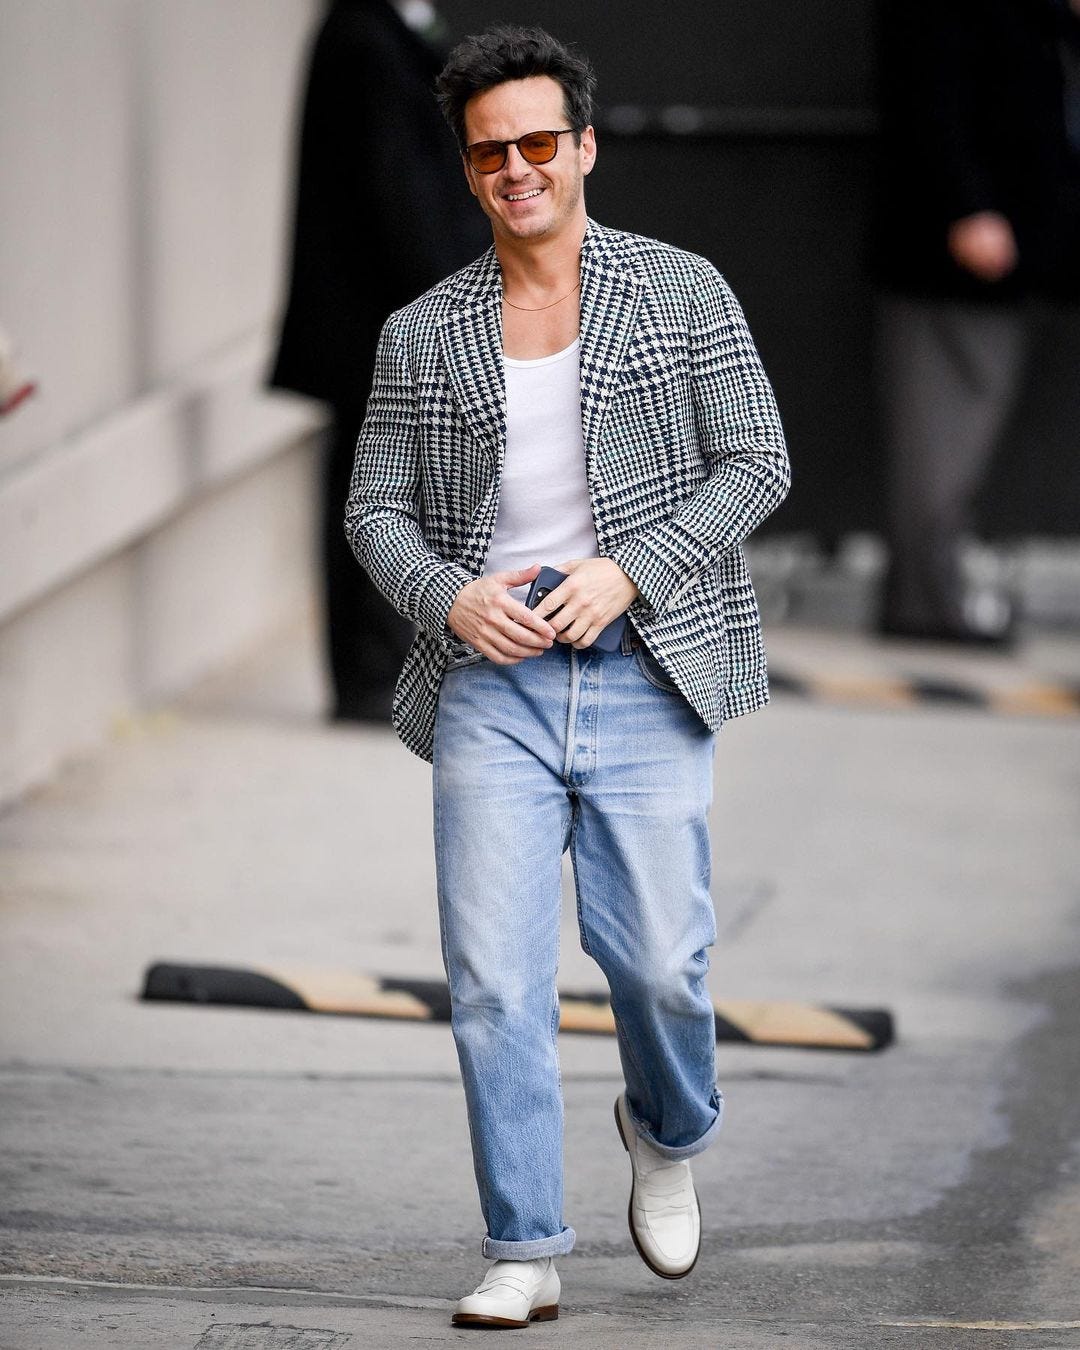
(546, 580)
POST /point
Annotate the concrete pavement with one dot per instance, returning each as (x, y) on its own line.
(178, 1176)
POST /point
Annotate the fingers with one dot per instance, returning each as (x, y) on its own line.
(507, 649)
(595, 591)
(586, 638)
(507, 631)
(530, 620)
(567, 614)
(507, 640)
(530, 639)
(519, 578)
(484, 613)
(580, 634)
(552, 608)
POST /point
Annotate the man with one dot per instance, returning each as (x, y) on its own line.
(978, 256)
(371, 142)
(591, 400)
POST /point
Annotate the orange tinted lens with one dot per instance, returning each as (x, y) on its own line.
(539, 147)
(487, 156)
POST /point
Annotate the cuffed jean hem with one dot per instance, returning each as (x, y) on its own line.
(558, 1245)
(685, 1151)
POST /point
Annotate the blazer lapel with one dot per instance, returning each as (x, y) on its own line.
(610, 302)
(471, 341)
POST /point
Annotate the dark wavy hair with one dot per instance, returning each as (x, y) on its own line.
(503, 53)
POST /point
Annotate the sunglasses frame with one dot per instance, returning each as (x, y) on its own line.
(566, 131)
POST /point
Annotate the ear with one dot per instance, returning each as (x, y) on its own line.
(469, 175)
(588, 150)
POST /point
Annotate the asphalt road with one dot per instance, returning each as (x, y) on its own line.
(199, 1178)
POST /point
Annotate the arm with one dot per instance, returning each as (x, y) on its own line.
(382, 514)
(742, 444)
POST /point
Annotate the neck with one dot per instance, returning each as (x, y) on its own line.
(540, 267)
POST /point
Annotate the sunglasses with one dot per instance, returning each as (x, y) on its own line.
(535, 147)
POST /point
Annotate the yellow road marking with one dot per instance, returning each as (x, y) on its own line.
(881, 691)
(577, 1015)
(780, 1023)
(774, 1022)
(345, 991)
(1044, 700)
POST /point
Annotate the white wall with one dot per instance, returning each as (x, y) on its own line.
(155, 503)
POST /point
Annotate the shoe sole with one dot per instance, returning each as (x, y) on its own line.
(548, 1314)
(664, 1274)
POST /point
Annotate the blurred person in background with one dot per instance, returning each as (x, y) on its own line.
(978, 253)
(381, 214)
(591, 400)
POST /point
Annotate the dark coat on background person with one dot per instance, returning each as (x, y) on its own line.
(382, 213)
(382, 207)
(975, 99)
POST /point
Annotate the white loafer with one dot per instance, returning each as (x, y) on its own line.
(512, 1294)
(664, 1216)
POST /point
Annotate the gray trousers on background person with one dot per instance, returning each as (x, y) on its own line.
(950, 375)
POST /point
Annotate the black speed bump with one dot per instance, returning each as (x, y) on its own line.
(764, 1022)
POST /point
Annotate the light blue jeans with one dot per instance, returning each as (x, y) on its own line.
(597, 753)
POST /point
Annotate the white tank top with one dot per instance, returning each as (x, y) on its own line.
(544, 512)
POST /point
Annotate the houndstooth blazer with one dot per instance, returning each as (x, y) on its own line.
(684, 457)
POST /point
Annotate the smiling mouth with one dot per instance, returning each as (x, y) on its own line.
(523, 196)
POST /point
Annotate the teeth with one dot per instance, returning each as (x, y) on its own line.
(522, 196)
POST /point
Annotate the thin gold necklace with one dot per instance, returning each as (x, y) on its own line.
(535, 309)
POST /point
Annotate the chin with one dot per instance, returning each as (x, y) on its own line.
(537, 222)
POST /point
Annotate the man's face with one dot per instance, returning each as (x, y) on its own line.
(523, 200)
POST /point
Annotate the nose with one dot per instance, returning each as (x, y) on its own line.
(516, 164)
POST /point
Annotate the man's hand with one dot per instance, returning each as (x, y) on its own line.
(984, 245)
(486, 616)
(595, 592)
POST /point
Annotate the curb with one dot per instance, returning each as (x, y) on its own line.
(751, 1022)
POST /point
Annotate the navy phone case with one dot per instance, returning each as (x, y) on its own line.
(546, 580)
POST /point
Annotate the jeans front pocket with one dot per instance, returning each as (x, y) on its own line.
(460, 658)
(653, 671)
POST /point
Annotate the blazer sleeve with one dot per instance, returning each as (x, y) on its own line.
(382, 522)
(742, 444)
